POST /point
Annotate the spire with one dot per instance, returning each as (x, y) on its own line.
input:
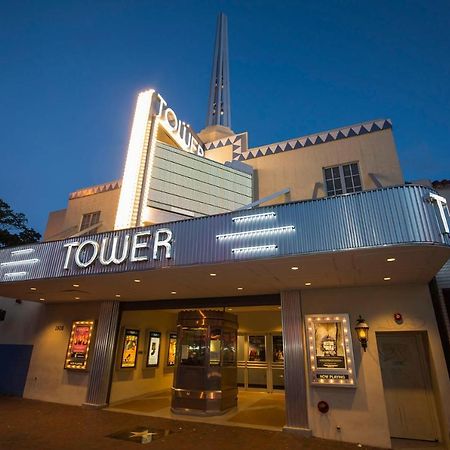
(219, 112)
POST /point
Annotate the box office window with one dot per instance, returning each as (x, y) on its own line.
(193, 347)
(89, 220)
(342, 179)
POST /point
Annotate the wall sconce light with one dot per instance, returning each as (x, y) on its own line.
(362, 331)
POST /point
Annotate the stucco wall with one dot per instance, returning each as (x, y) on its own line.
(361, 412)
(106, 202)
(47, 379)
(129, 383)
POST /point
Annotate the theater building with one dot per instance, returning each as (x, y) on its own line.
(212, 268)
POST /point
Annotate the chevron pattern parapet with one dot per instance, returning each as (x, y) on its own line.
(238, 141)
(314, 139)
(96, 189)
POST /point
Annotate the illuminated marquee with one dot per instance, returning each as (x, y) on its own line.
(152, 112)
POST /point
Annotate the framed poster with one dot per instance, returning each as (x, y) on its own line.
(330, 349)
(79, 343)
(130, 349)
(257, 348)
(277, 348)
(154, 344)
(172, 349)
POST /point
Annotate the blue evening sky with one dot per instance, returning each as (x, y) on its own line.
(70, 72)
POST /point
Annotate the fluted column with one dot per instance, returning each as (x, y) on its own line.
(295, 378)
(103, 356)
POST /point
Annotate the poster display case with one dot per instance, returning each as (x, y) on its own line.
(257, 348)
(79, 343)
(277, 348)
(154, 345)
(128, 357)
(172, 349)
(330, 350)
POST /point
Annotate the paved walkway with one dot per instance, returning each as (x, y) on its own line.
(256, 409)
(35, 425)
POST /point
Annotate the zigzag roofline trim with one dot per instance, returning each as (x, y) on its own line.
(97, 189)
(317, 138)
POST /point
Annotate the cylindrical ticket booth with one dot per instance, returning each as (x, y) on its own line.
(205, 381)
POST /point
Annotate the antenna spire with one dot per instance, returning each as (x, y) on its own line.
(219, 112)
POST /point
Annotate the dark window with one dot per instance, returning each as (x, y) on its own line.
(342, 179)
(89, 219)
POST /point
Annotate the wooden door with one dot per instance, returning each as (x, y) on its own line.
(407, 386)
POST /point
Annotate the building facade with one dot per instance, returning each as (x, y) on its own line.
(301, 240)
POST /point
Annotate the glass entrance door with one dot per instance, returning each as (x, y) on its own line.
(260, 361)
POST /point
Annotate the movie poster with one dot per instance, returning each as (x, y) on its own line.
(256, 348)
(154, 343)
(329, 343)
(79, 342)
(130, 349)
(277, 348)
(172, 352)
(330, 350)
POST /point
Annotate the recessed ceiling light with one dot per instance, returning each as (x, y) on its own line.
(32, 289)
(137, 281)
(42, 299)
(294, 268)
(118, 295)
(173, 292)
(390, 259)
(240, 288)
(308, 284)
(77, 298)
(75, 285)
(212, 274)
(386, 278)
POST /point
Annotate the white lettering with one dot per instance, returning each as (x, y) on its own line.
(135, 246)
(179, 131)
(121, 248)
(113, 257)
(89, 261)
(170, 119)
(162, 103)
(163, 242)
(69, 247)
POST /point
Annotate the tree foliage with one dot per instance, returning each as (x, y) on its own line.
(14, 228)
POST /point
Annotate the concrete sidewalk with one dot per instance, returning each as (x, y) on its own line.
(30, 424)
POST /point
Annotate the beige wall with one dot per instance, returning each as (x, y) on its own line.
(129, 383)
(301, 169)
(259, 321)
(361, 412)
(55, 225)
(106, 202)
(47, 379)
(222, 154)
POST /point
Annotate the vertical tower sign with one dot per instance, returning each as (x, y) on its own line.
(152, 112)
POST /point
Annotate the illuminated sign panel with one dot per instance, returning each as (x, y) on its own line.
(152, 112)
(330, 350)
(79, 343)
(128, 358)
